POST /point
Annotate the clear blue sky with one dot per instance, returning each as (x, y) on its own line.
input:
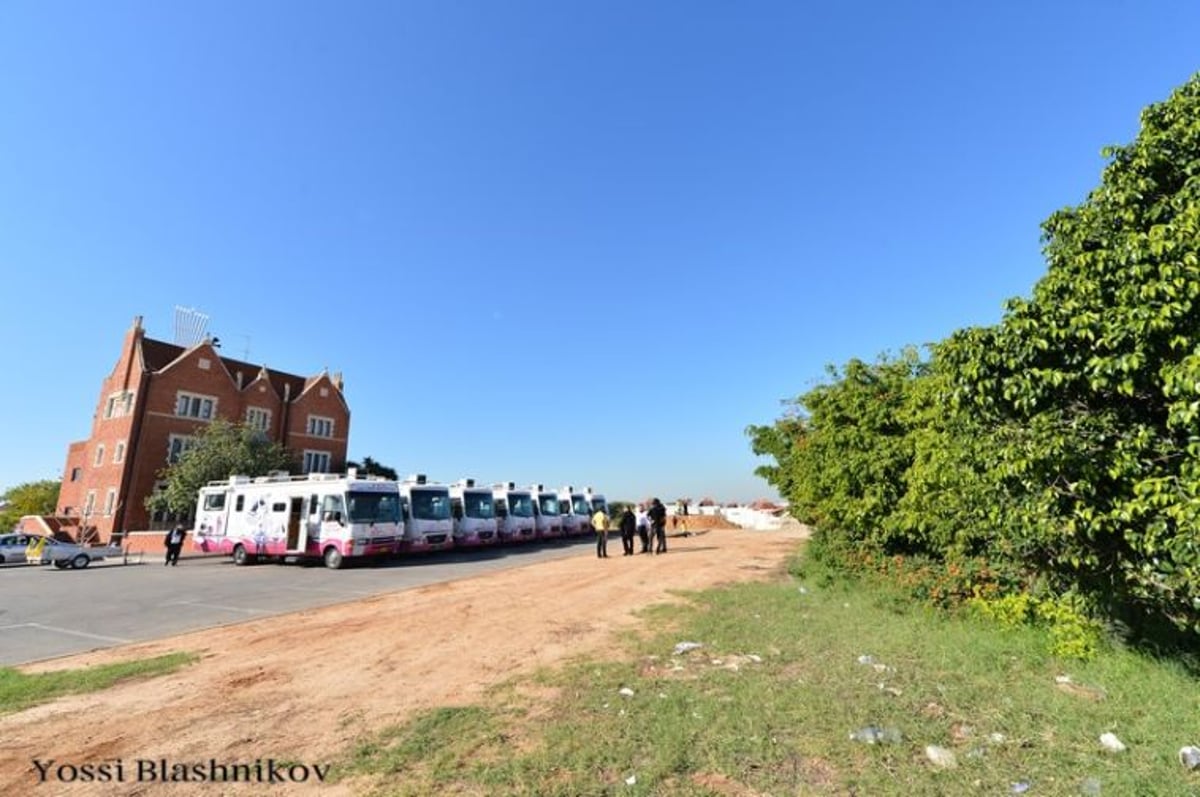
(583, 242)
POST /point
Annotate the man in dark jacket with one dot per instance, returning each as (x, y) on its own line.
(628, 529)
(174, 543)
(658, 521)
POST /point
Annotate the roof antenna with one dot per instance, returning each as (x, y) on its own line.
(190, 326)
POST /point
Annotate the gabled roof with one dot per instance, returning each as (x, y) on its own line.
(157, 355)
(324, 378)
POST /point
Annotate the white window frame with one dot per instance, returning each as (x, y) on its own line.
(176, 445)
(258, 418)
(119, 404)
(320, 426)
(110, 501)
(195, 405)
(99, 460)
(317, 461)
(119, 453)
(89, 504)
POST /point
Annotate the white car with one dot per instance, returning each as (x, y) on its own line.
(12, 546)
(48, 550)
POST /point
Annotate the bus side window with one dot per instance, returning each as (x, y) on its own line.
(456, 508)
(241, 502)
(331, 509)
(501, 508)
(312, 505)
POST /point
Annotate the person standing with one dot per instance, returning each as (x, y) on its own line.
(658, 521)
(600, 526)
(643, 528)
(628, 526)
(174, 543)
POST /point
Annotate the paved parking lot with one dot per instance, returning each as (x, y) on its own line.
(46, 612)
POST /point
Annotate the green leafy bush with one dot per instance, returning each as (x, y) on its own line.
(1060, 447)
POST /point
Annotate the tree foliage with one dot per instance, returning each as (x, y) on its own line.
(369, 467)
(30, 498)
(845, 446)
(219, 450)
(1066, 438)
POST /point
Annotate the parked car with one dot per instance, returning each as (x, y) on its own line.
(12, 546)
(63, 554)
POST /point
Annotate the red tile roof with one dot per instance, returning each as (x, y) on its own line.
(157, 355)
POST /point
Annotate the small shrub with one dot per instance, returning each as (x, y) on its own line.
(1074, 635)
(1007, 611)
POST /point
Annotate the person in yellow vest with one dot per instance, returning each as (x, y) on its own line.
(600, 525)
(33, 551)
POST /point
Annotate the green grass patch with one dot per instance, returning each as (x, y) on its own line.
(768, 703)
(20, 690)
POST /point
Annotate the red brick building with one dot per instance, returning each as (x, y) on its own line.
(155, 399)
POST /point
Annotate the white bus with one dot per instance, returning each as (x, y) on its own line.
(474, 514)
(514, 513)
(319, 515)
(576, 511)
(547, 518)
(595, 500)
(425, 507)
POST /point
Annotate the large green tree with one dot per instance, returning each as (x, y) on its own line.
(30, 498)
(1064, 440)
(369, 467)
(1095, 379)
(219, 450)
(843, 449)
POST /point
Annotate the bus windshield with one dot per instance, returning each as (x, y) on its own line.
(520, 504)
(479, 505)
(579, 506)
(431, 504)
(373, 507)
(549, 504)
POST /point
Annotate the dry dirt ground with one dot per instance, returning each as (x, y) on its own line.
(305, 687)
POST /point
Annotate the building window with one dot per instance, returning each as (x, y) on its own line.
(119, 453)
(89, 504)
(189, 405)
(316, 462)
(118, 404)
(258, 418)
(177, 444)
(110, 501)
(319, 426)
(99, 456)
(204, 363)
(76, 473)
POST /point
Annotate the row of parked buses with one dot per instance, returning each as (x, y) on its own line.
(335, 517)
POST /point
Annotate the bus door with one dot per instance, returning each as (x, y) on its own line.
(312, 520)
(297, 529)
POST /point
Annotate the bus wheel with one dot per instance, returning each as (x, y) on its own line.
(240, 557)
(333, 558)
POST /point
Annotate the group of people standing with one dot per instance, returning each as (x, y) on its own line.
(647, 521)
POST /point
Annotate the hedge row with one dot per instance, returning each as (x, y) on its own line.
(1061, 445)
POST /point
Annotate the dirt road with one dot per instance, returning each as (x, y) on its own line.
(303, 688)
